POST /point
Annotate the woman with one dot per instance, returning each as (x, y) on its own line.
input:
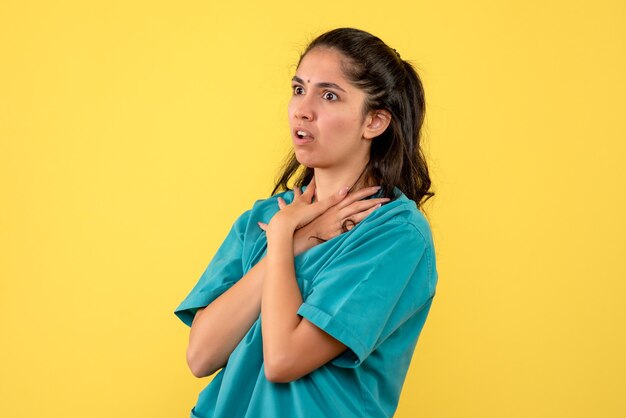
(313, 304)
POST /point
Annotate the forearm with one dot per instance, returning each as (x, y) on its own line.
(217, 329)
(294, 346)
(281, 299)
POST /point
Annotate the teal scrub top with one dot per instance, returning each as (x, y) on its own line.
(370, 288)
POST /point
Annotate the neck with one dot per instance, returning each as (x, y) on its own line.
(330, 180)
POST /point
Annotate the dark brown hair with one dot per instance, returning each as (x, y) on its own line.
(392, 84)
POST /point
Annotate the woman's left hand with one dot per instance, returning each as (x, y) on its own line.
(302, 210)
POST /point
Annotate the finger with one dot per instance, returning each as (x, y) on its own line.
(358, 217)
(317, 208)
(297, 192)
(361, 205)
(262, 225)
(323, 205)
(281, 203)
(348, 224)
(360, 194)
(310, 191)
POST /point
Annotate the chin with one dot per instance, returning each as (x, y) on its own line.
(312, 164)
(306, 161)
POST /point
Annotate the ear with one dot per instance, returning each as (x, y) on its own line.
(376, 123)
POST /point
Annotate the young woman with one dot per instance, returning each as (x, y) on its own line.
(313, 304)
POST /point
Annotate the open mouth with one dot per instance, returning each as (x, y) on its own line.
(302, 134)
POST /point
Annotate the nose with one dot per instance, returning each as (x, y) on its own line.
(302, 109)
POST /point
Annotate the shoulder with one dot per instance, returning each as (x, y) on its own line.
(402, 232)
(403, 216)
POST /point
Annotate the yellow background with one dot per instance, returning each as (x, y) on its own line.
(132, 134)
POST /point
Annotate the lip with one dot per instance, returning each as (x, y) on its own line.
(301, 141)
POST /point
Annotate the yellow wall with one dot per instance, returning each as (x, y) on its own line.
(133, 133)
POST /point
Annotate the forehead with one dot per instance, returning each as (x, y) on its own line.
(322, 65)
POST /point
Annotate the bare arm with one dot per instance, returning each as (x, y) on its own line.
(217, 329)
(293, 346)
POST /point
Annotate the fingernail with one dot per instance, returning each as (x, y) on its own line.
(377, 206)
(376, 187)
(343, 191)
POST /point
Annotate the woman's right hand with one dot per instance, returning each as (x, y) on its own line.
(348, 212)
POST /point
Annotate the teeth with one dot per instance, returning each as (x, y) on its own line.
(301, 133)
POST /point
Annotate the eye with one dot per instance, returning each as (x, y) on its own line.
(329, 95)
(297, 90)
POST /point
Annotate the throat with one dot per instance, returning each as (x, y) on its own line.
(328, 181)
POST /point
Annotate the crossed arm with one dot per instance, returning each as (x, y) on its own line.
(292, 346)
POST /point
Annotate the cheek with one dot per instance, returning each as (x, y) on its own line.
(344, 123)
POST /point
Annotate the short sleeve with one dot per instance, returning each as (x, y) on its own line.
(224, 270)
(374, 285)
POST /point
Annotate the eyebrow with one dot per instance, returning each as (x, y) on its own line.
(323, 84)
